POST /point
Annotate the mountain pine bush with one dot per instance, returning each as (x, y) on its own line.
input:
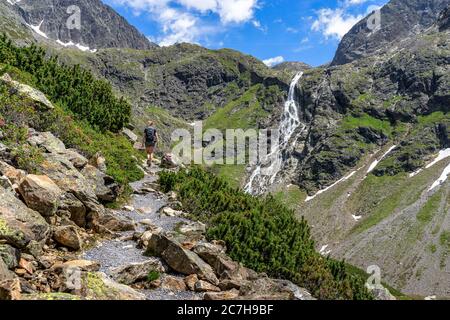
(263, 234)
(72, 87)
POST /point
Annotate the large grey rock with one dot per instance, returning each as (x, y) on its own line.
(180, 259)
(28, 92)
(98, 286)
(40, 193)
(18, 224)
(9, 255)
(74, 208)
(130, 135)
(67, 236)
(104, 186)
(135, 272)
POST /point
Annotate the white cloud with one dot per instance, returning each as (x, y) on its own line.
(334, 23)
(273, 61)
(354, 2)
(182, 20)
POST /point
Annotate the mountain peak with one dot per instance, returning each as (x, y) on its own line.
(82, 23)
(399, 19)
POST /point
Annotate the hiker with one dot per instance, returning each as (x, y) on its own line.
(150, 140)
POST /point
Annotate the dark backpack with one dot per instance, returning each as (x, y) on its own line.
(150, 135)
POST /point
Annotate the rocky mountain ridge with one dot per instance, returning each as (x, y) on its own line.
(57, 21)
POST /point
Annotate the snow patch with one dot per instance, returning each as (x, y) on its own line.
(443, 154)
(442, 178)
(13, 2)
(37, 29)
(323, 251)
(356, 218)
(309, 198)
(377, 161)
(76, 45)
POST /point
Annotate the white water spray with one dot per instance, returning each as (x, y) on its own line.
(268, 168)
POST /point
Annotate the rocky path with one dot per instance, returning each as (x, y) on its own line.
(143, 208)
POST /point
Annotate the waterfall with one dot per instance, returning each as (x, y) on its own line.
(268, 168)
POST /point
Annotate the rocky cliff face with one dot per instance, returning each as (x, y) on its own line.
(398, 20)
(99, 25)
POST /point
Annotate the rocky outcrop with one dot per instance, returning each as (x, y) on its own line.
(136, 272)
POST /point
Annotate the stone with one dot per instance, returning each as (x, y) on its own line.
(29, 92)
(265, 288)
(98, 286)
(228, 284)
(221, 296)
(70, 180)
(136, 272)
(117, 224)
(83, 265)
(76, 159)
(18, 224)
(40, 193)
(104, 186)
(130, 135)
(169, 212)
(179, 259)
(26, 265)
(6, 183)
(98, 161)
(67, 236)
(172, 196)
(173, 283)
(47, 141)
(14, 175)
(76, 209)
(128, 208)
(189, 228)
(203, 286)
(190, 281)
(382, 294)
(9, 255)
(10, 289)
(5, 273)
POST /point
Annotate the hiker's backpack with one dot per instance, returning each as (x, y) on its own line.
(150, 134)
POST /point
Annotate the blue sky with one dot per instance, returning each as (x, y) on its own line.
(271, 30)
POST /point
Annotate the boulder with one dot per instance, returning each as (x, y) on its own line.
(18, 224)
(9, 255)
(5, 273)
(29, 92)
(75, 158)
(192, 228)
(70, 180)
(130, 135)
(270, 289)
(203, 286)
(75, 208)
(222, 265)
(221, 296)
(98, 161)
(14, 175)
(114, 223)
(190, 281)
(98, 286)
(67, 236)
(179, 259)
(47, 141)
(10, 289)
(83, 265)
(40, 193)
(104, 186)
(382, 294)
(136, 272)
(173, 283)
(6, 183)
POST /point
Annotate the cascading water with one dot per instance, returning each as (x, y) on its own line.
(268, 168)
